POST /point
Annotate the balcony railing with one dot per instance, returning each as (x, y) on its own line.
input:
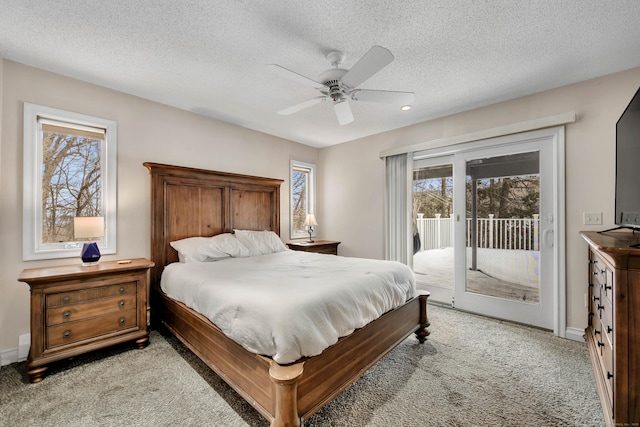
(491, 233)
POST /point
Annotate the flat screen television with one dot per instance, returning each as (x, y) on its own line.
(627, 194)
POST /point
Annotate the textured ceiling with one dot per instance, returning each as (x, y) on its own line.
(210, 56)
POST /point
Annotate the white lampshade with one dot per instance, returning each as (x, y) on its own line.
(88, 227)
(310, 220)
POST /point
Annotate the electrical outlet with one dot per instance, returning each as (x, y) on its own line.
(592, 218)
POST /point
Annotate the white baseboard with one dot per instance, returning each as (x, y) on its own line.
(8, 357)
(574, 334)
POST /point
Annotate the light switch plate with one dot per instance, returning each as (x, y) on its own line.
(592, 218)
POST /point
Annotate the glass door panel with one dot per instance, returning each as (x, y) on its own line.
(503, 232)
(433, 227)
(503, 269)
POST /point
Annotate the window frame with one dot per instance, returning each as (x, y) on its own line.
(32, 247)
(310, 168)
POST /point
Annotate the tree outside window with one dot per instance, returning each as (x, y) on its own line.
(71, 178)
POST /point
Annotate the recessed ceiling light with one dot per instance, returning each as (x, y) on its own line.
(405, 107)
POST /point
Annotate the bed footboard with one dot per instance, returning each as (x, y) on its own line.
(286, 395)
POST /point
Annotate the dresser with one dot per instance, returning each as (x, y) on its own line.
(613, 332)
(318, 246)
(76, 309)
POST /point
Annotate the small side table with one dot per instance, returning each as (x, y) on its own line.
(76, 309)
(319, 246)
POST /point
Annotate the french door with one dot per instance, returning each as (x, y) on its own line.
(489, 227)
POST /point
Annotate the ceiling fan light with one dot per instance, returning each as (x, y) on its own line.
(405, 108)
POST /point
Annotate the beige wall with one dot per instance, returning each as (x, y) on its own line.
(147, 131)
(351, 179)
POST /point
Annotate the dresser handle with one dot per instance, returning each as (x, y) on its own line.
(609, 329)
(66, 334)
(121, 303)
(596, 332)
(600, 344)
(595, 298)
(121, 290)
(609, 375)
(66, 314)
(600, 307)
(607, 287)
(66, 299)
(121, 321)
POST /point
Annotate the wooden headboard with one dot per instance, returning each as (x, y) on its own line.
(188, 202)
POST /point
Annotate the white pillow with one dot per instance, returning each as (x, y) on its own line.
(227, 244)
(260, 242)
(205, 249)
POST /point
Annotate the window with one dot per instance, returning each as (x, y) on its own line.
(302, 197)
(69, 171)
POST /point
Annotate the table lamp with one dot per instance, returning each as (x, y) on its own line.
(89, 227)
(310, 222)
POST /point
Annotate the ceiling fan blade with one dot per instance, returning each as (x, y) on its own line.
(343, 112)
(387, 96)
(373, 61)
(302, 106)
(292, 75)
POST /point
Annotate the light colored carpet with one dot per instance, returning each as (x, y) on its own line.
(473, 371)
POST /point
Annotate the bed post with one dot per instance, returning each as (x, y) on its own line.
(286, 399)
(422, 332)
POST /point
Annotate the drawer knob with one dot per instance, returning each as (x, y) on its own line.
(121, 290)
(66, 314)
(600, 344)
(609, 375)
(121, 321)
(596, 332)
(121, 303)
(609, 329)
(66, 299)
(600, 307)
(607, 287)
(66, 334)
(595, 298)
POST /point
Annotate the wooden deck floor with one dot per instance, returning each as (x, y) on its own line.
(441, 274)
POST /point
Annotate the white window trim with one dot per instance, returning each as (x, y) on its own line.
(311, 207)
(32, 183)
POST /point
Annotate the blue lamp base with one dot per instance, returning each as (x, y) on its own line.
(90, 254)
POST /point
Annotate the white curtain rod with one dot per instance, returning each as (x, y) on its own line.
(529, 125)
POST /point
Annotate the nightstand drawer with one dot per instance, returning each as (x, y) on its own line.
(79, 311)
(68, 333)
(73, 297)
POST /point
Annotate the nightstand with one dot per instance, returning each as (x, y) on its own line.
(318, 246)
(77, 309)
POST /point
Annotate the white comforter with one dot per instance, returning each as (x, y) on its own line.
(289, 304)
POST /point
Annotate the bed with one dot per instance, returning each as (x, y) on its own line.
(188, 202)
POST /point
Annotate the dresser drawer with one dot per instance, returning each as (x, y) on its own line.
(84, 310)
(72, 332)
(606, 318)
(607, 363)
(73, 297)
(598, 270)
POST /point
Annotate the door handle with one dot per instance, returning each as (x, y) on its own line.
(547, 237)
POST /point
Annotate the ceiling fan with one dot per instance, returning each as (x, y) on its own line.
(339, 85)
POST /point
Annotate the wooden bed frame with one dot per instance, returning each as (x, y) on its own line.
(188, 202)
